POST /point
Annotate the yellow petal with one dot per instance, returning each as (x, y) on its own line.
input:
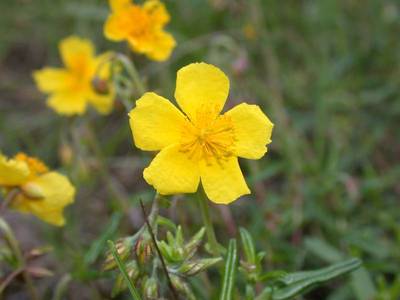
(13, 172)
(57, 192)
(102, 103)
(52, 79)
(158, 12)
(119, 4)
(200, 88)
(155, 122)
(223, 180)
(116, 27)
(68, 103)
(252, 130)
(161, 47)
(173, 172)
(77, 53)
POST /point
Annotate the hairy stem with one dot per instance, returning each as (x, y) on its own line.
(202, 200)
(132, 72)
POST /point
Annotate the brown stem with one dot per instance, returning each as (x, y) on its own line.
(171, 286)
(10, 196)
(10, 278)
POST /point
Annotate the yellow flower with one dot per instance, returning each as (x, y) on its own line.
(72, 88)
(201, 143)
(40, 192)
(142, 26)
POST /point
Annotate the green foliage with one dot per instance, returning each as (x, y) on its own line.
(327, 75)
(131, 286)
(228, 282)
(293, 284)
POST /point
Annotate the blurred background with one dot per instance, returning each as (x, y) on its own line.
(327, 73)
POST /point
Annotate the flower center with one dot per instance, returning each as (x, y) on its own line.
(208, 136)
(36, 166)
(138, 21)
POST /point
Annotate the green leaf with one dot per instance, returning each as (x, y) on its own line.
(62, 287)
(361, 281)
(179, 237)
(322, 275)
(248, 245)
(300, 282)
(362, 285)
(194, 243)
(132, 289)
(162, 221)
(229, 271)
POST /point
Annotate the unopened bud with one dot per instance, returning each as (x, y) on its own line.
(122, 247)
(33, 190)
(143, 250)
(150, 288)
(132, 269)
(182, 287)
(197, 266)
(119, 285)
(248, 267)
(100, 85)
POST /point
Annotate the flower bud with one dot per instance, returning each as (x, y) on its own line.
(32, 190)
(123, 249)
(150, 288)
(182, 287)
(100, 85)
(132, 269)
(143, 249)
(194, 267)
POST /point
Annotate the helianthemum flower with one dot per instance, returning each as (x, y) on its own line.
(39, 191)
(142, 26)
(83, 81)
(201, 143)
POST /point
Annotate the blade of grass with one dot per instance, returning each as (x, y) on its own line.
(229, 272)
(132, 289)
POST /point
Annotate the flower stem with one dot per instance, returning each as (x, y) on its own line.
(8, 199)
(202, 200)
(164, 266)
(133, 72)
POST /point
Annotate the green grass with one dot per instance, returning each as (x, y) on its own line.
(327, 73)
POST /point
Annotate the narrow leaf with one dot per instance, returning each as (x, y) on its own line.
(248, 245)
(363, 285)
(132, 289)
(229, 271)
(301, 282)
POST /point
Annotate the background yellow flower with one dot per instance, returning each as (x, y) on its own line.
(72, 88)
(201, 145)
(41, 193)
(142, 26)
